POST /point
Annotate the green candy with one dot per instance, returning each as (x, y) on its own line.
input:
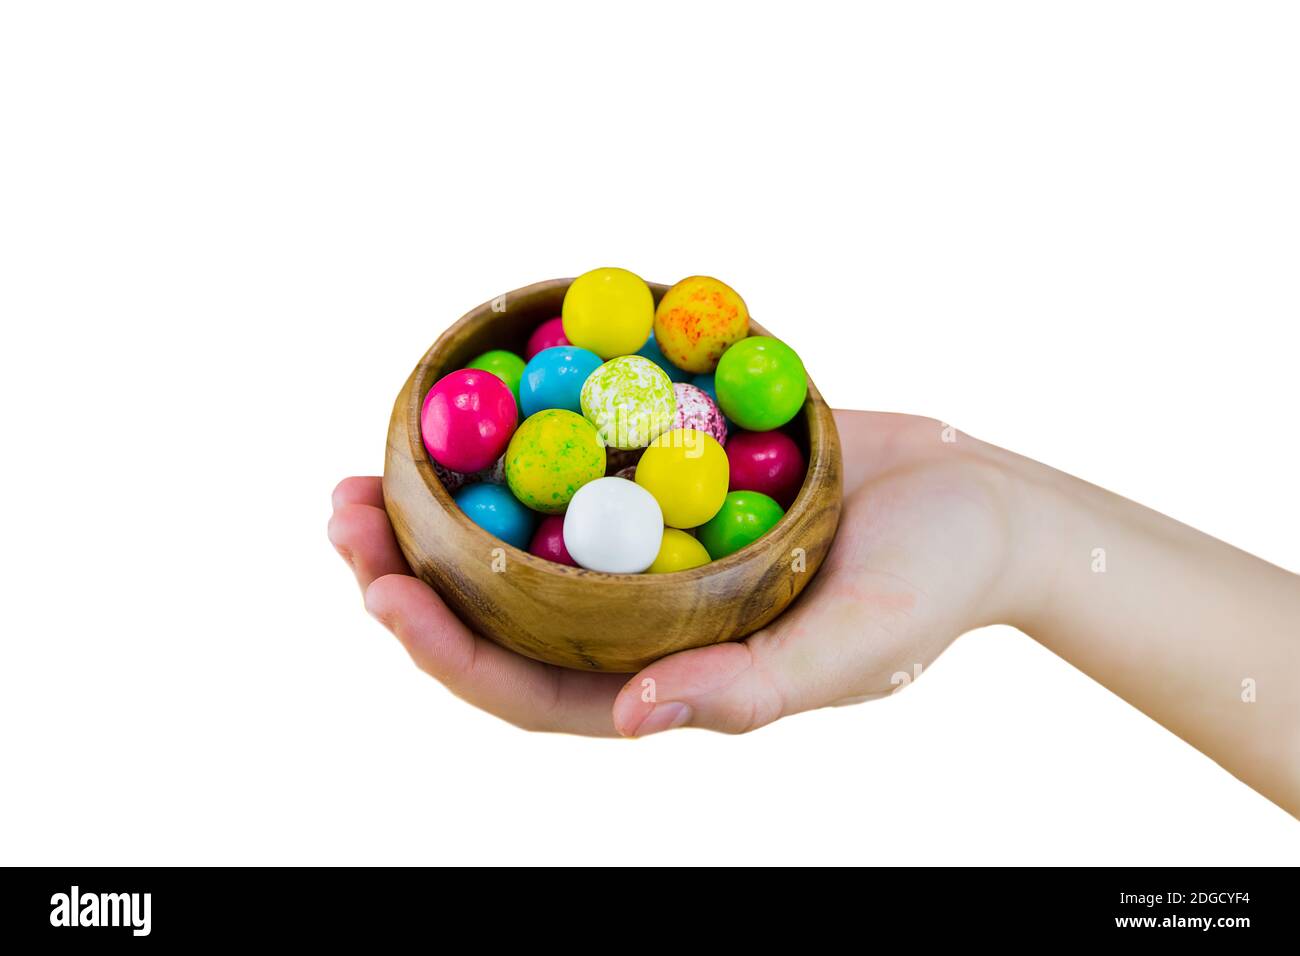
(506, 366)
(745, 517)
(553, 454)
(761, 383)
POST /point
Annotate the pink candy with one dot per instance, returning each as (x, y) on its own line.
(467, 420)
(547, 335)
(769, 462)
(548, 541)
(696, 410)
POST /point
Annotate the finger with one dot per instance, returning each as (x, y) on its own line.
(522, 691)
(359, 490)
(363, 536)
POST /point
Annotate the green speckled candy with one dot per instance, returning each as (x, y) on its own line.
(551, 456)
(630, 401)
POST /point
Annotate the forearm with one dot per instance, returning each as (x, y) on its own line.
(1199, 635)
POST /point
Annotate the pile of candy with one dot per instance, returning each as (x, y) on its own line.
(627, 438)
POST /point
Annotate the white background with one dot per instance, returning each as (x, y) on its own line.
(229, 231)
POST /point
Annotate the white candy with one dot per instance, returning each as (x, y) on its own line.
(613, 525)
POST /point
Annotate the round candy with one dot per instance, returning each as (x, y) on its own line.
(651, 351)
(548, 541)
(494, 509)
(553, 454)
(744, 518)
(678, 552)
(686, 471)
(609, 311)
(769, 462)
(695, 409)
(629, 473)
(547, 335)
(467, 420)
(761, 383)
(630, 401)
(697, 320)
(553, 379)
(613, 525)
(704, 382)
(506, 366)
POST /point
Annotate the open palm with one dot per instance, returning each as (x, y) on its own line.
(922, 554)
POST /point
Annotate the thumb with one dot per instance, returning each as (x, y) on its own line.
(836, 645)
(738, 686)
(722, 687)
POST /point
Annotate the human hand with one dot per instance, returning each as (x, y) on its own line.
(925, 551)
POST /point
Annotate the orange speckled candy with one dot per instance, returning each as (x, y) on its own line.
(697, 320)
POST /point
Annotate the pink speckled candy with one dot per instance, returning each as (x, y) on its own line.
(547, 335)
(468, 419)
(696, 410)
(548, 541)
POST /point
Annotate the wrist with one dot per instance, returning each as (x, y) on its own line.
(1042, 519)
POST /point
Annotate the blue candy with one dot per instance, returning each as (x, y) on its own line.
(494, 509)
(652, 351)
(704, 383)
(553, 379)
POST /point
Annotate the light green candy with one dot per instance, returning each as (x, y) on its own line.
(630, 401)
(553, 454)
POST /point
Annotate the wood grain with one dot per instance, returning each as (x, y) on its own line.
(587, 619)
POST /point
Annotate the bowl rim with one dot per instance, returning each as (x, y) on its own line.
(820, 459)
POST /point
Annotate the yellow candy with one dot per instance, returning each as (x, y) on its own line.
(697, 320)
(678, 552)
(609, 312)
(687, 472)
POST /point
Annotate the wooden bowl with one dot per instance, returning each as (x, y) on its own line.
(582, 619)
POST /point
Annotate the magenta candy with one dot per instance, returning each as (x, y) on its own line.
(467, 420)
(696, 410)
(547, 335)
(548, 541)
(768, 462)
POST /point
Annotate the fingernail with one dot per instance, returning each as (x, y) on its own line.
(346, 555)
(665, 716)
